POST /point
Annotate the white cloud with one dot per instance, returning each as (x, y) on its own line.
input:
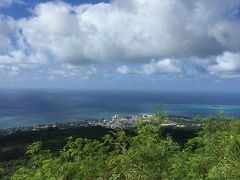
(66, 71)
(7, 26)
(123, 69)
(16, 56)
(17, 62)
(226, 65)
(9, 70)
(126, 31)
(132, 30)
(165, 66)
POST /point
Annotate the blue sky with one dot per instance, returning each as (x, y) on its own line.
(175, 45)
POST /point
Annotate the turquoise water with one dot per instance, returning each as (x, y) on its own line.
(202, 110)
(26, 108)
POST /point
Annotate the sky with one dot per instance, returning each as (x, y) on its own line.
(178, 45)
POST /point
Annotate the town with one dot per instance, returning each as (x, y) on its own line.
(124, 122)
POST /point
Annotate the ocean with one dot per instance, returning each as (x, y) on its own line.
(31, 107)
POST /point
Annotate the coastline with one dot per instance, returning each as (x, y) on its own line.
(115, 122)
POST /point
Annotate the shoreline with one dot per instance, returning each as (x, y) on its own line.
(115, 122)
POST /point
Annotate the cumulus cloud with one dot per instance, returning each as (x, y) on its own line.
(15, 56)
(165, 66)
(124, 69)
(17, 62)
(226, 65)
(67, 70)
(125, 31)
(7, 25)
(132, 30)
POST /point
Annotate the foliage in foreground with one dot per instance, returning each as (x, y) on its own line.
(213, 154)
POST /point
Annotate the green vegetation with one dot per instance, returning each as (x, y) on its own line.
(214, 153)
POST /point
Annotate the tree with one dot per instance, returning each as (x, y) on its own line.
(213, 154)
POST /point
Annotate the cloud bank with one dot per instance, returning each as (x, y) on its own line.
(128, 31)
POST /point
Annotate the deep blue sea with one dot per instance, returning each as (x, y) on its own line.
(31, 107)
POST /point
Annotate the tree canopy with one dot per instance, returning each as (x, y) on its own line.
(213, 154)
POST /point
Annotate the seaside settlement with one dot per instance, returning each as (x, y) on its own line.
(115, 122)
